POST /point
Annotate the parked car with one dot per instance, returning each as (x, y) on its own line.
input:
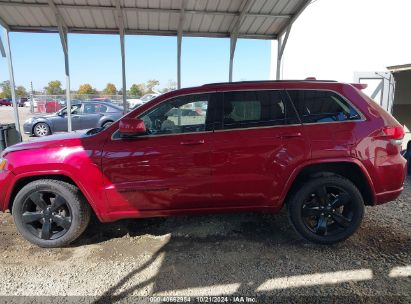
(5, 102)
(321, 149)
(85, 115)
(137, 102)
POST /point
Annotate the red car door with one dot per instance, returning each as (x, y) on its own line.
(259, 143)
(329, 122)
(169, 167)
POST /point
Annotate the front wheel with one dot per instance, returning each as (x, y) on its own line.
(41, 129)
(326, 210)
(50, 213)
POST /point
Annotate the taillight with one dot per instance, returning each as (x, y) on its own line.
(394, 134)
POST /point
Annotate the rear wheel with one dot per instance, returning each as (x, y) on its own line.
(326, 210)
(41, 129)
(50, 213)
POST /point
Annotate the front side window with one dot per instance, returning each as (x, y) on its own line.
(243, 109)
(184, 114)
(315, 106)
(75, 109)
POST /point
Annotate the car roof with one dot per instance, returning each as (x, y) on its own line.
(110, 104)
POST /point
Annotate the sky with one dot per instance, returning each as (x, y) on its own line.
(330, 40)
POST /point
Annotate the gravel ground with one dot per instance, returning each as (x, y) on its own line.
(7, 116)
(255, 255)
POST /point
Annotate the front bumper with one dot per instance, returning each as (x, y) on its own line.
(6, 178)
(27, 128)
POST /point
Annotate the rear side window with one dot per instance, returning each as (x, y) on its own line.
(244, 109)
(322, 106)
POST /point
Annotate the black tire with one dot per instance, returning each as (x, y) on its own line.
(329, 218)
(107, 123)
(67, 213)
(41, 129)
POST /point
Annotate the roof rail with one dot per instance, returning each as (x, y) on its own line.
(267, 81)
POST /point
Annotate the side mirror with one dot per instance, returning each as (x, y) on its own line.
(131, 127)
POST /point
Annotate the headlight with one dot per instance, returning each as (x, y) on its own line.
(3, 164)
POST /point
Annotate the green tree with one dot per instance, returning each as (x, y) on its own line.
(150, 85)
(54, 88)
(171, 86)
(110, 89)
(135, 90)
(86, 89)
(5, 89)
(21, 91)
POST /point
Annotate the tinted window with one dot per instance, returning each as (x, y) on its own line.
(89, 108)
(322, 106)
(256, 108)
(183, 114)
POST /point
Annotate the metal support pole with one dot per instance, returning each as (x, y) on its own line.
(12, 84)
(123, 71)
(120, 23)
(64, 44)
(179, 41)
(62, 27)
(2, 51)
(233, 43)
(280, 51)
(277, 75)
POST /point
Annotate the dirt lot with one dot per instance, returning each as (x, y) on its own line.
(243, 254)
(7, 116)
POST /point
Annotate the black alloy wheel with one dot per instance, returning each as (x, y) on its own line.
(326, 210)
(50, 213)
(46, 215)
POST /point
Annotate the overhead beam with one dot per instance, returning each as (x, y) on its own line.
(4, 24)
(179, 41)
(294, 17)
(61, 24)
(121, 30)
(141, 9)
(12, 83)
(83, 30)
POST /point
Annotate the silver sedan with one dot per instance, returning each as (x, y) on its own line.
(84, 115)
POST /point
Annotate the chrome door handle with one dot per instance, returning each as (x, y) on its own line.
(193, 142)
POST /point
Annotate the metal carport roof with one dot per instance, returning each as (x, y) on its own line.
(258, 19)
(261, 19)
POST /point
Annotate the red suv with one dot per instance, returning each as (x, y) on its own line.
(323, 149)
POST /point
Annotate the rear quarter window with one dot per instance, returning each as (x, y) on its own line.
(316, 106)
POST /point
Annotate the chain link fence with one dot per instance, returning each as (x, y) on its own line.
(53, 103)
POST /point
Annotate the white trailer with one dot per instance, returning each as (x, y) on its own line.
(392, 91)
